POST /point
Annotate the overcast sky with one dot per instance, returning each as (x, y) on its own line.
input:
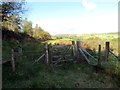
(78, 17)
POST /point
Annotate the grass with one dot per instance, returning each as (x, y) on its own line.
(67, 39)
(70, 75)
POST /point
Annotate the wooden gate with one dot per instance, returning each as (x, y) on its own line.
(59, 53)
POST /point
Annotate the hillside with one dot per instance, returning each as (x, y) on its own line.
(39, 75)
(11, 35)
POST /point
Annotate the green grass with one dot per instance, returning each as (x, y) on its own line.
(42, 76)
(67, 39)
(70, 75)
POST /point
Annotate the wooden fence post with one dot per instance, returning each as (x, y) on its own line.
(78, 43)
(83, 56)
(12, 60)
(73, 48)
(107, 51)
(73, 42)
(99, 55)
(50, 53)
(46, 54)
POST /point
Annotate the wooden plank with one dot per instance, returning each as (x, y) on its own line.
(64, 53)
(99, 55)
(60, 56)
(46, 54)
(88, 54)
(12, 60)
(39, 58)
(107, 51)
(68, 60)
(80, 50)
(56, 56)
(113, 54)
(57, 61)
(4, 61)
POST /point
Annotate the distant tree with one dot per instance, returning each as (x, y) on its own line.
(45, 35)
(27, 27)
(36, 31)
(40, 33)
(40, 29)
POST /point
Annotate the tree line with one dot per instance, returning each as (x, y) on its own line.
(11, 19)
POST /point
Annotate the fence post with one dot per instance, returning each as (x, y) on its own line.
(50, 53)
(78, 46)
(73, 48)
(99, 55)
(73, 42)
(12, 60)
(46, 54)
(83, 56)
(107, 51)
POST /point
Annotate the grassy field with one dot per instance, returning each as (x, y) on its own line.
(70, 75)
(90, 40)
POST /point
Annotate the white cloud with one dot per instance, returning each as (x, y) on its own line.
(88, 5)
(94, 24)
